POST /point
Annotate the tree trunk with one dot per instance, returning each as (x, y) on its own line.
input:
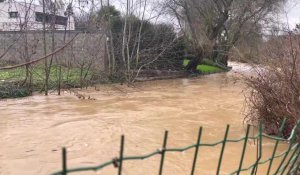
(192, 65)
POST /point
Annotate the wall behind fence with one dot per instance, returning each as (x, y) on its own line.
(26, 46)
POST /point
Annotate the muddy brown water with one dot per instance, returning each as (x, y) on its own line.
(34, 129)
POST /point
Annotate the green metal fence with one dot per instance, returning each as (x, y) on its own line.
(289, 163)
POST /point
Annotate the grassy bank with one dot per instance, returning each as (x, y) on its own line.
(38, 72)
(13, 83)
(206, 67)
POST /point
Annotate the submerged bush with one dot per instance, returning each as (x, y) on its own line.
(11, 90)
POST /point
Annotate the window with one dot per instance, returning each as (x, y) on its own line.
(61, 20)
(39, 16)
(13, 14)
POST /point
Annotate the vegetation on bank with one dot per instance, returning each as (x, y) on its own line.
(128, 43)
(275, 88)
(14, 83)
(11, 90)
(206, 67)
(70, 75)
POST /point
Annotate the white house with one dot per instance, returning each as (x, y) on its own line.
(16, 16)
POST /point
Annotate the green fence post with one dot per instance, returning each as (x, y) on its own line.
(196, 151)
(290, 159)
(255, 167)
(244, 149)
(163, 153)
(283, 159)
(294, 162)
(272, 158)
(276, 146)
(288, 151)
(297, 168)
(64, 161)
(121, 154)
(222, 150)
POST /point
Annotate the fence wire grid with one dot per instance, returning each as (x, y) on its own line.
(288, 165)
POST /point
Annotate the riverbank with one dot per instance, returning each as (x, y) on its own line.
(18, 82)
(13, 85)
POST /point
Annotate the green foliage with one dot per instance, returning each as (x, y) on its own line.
(70, 74)
(93, 21)
(12, 74)
(11, 90)
(12, 82)
(185, 62)
(207, 67)
(154, 38)
(107, 12)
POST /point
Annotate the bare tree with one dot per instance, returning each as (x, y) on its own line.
(139, 42)
(214, 27)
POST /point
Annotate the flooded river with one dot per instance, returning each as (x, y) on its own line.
(34, 129)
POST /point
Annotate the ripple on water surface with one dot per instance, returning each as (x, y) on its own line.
(34, 129)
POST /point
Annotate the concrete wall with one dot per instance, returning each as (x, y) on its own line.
(86, 48)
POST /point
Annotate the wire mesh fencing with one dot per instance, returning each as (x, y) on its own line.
(36, 61)
(288, 159)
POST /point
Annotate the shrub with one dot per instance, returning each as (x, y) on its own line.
(275, 88)
(11, 90)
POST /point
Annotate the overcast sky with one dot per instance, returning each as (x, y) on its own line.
(293, 13)
(290, 14)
